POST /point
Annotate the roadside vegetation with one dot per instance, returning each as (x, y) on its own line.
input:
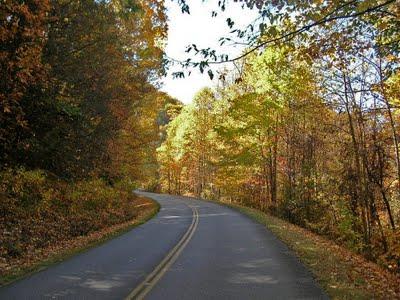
(34, 256)
(79, 117)
(297, 140)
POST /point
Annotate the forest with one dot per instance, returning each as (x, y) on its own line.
(78, 110)
(304, 127)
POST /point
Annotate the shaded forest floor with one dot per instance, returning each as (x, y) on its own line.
(342, 274)
(39, 259)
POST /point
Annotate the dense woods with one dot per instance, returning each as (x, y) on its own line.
(306, 128)
(78, 116)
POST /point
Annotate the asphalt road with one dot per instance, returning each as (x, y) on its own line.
(213, 252)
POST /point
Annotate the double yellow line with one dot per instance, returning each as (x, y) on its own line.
(148, 283)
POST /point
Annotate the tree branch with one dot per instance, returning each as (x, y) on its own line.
(324, 20)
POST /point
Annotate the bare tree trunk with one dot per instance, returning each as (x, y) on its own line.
(357, 163)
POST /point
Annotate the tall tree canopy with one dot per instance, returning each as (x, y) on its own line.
(84, 71)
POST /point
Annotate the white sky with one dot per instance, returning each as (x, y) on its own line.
(201, 29)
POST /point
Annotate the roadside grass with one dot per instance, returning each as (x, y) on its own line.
(69, 248)
(340, 272)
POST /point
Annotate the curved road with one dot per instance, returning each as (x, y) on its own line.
(192, 250)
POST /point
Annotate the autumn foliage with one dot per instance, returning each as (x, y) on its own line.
(78, 116)
(306, 129)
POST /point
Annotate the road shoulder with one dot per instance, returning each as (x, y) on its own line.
(341, 273)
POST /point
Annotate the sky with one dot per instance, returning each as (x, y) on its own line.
(201, 29)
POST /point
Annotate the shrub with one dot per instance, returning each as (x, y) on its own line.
(37, 210)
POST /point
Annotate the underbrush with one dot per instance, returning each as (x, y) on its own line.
(38, 210)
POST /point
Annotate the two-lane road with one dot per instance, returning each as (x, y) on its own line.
(191, 250)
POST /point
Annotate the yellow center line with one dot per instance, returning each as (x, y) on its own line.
(149, 282)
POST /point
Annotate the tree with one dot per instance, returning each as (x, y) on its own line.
(99, 61)
(313, 25)
(312, 140)
(22, 37)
